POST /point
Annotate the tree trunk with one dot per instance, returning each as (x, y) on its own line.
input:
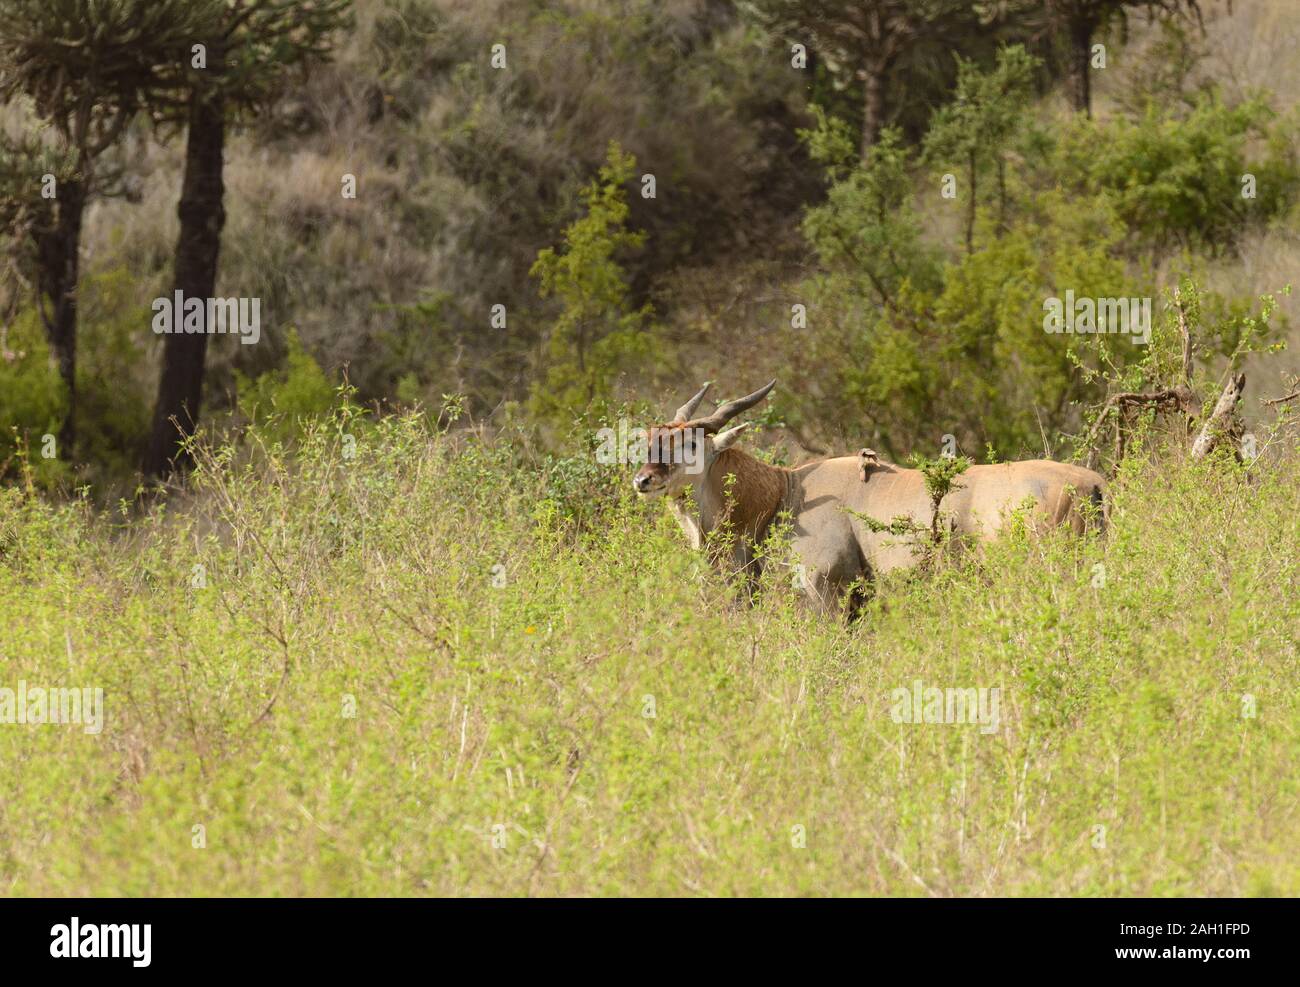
(873, 107)
(1002, 193)
(971, 204)
(1079, 83)
(202, 215)
(59, 249)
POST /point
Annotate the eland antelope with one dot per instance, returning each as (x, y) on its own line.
(826, 500)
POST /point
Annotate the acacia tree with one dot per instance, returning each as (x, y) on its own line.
(1079, 21)
(88, 67)
(243, 61)
(866, 40)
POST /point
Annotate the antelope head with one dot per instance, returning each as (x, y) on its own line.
(682, 451)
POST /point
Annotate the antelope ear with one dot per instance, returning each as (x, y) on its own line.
(725, 440)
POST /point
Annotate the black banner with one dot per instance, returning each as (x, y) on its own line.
(153, 937)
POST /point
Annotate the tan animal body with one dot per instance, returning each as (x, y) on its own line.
(828, 500)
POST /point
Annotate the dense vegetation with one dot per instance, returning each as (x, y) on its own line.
(404, 673)
(398, 631)
(504, 246)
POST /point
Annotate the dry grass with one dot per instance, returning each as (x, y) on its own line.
(503, 742)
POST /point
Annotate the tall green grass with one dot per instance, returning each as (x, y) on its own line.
(502, 742)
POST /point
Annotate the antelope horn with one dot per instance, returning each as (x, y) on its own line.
(685, 411)
(731, 409)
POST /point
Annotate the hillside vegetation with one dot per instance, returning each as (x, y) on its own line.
(434, 280)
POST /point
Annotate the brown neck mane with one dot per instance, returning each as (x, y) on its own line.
(753, 499)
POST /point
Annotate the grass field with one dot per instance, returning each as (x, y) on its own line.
(317, 681)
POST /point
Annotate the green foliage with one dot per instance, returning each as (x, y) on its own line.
(113, 385)
(905, 346)
(33, 400)
(1178, 180)
(985, 109)
(1004, 379)
(491, 163)
(419, 356)
(24, 161)
(867, 226)
(977, 127)
(830, 143)
(597, 333)
(287, 399)
(940, 474)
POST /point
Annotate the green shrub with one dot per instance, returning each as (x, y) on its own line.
(116, 382)
(33, 401)
(285, 399)
(597, 332)
(1178, 181)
